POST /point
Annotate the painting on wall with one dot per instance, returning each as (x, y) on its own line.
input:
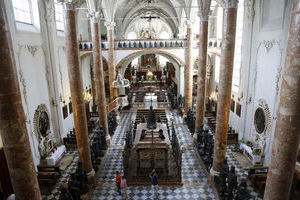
(70, 107)
(65, 111)
(238, 109)
(148, 60)
(232, 105)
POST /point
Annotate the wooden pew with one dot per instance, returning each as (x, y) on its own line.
(258, 177)
(48, 176)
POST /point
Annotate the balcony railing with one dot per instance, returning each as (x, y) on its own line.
(137, 44)
(213, 43)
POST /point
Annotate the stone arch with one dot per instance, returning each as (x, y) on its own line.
(126, 60)
(81, 57)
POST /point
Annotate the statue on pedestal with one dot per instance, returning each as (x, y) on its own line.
(151, 122)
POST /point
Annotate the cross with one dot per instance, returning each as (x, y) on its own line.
(150, 17)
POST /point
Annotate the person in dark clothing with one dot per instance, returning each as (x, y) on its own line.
(154, 183)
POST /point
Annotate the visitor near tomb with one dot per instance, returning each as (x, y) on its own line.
(124, 187)
(154, 183)
(118, 182)
(205, 93)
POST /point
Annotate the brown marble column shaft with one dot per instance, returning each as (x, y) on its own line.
(189, 68)
(226, 69)
(287, 134)
(76, 87)
(93, 87)
(207, 85)
(13, 121)
(111, 61)
(200, 103)
(98, 76)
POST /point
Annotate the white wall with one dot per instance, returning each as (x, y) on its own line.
(1, 144)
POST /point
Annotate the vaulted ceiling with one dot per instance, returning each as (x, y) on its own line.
(124, 13)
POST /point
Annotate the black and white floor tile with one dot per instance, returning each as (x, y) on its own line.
(65, 176)
(192, 173)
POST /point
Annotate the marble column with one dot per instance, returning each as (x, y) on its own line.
(98, 75)
(226, 69)
(200, 103)
(13, 128)
(93, 88)
(111, 58)
(74, 72)
(189, 69)
(287, 134)
(207, 85)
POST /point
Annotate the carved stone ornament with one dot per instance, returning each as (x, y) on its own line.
(204, 14)
(262, 124)
(41, 123)
(32, 49)
(94, 16)
(110, 25)
(189, 23)
(229, 3)
(249, 9)
(71, 4)
(262, 117)
(269, 44)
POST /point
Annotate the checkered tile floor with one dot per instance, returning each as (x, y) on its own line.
(65, 176)
(240, 172)
(192, 173)
(164, 193)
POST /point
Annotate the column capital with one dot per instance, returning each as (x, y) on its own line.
(71, 4)
(229, 3)
(189, 23)
(110, 25)
(94, 16)
(204, 14)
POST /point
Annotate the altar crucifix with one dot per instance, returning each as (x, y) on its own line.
(149, 18)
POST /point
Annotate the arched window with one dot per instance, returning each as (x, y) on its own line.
(22, 11)
(238, 48)
(59, 16)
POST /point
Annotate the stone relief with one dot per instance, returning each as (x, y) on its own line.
(32, 49)
(277, 81)
(269, 44)
(249, 9)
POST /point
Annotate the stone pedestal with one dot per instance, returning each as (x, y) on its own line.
(188, 93)
(111, 59)
(200, 103)
(76, 88)
(98, 77)
(226, 69)
(13, 121)
(286, 139)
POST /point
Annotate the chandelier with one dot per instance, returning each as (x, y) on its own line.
(120, 82)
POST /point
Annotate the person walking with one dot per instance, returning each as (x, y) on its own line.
(154, 183)
(118, 182)
(124, 187)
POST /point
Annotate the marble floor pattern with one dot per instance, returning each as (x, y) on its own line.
(195, 182)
